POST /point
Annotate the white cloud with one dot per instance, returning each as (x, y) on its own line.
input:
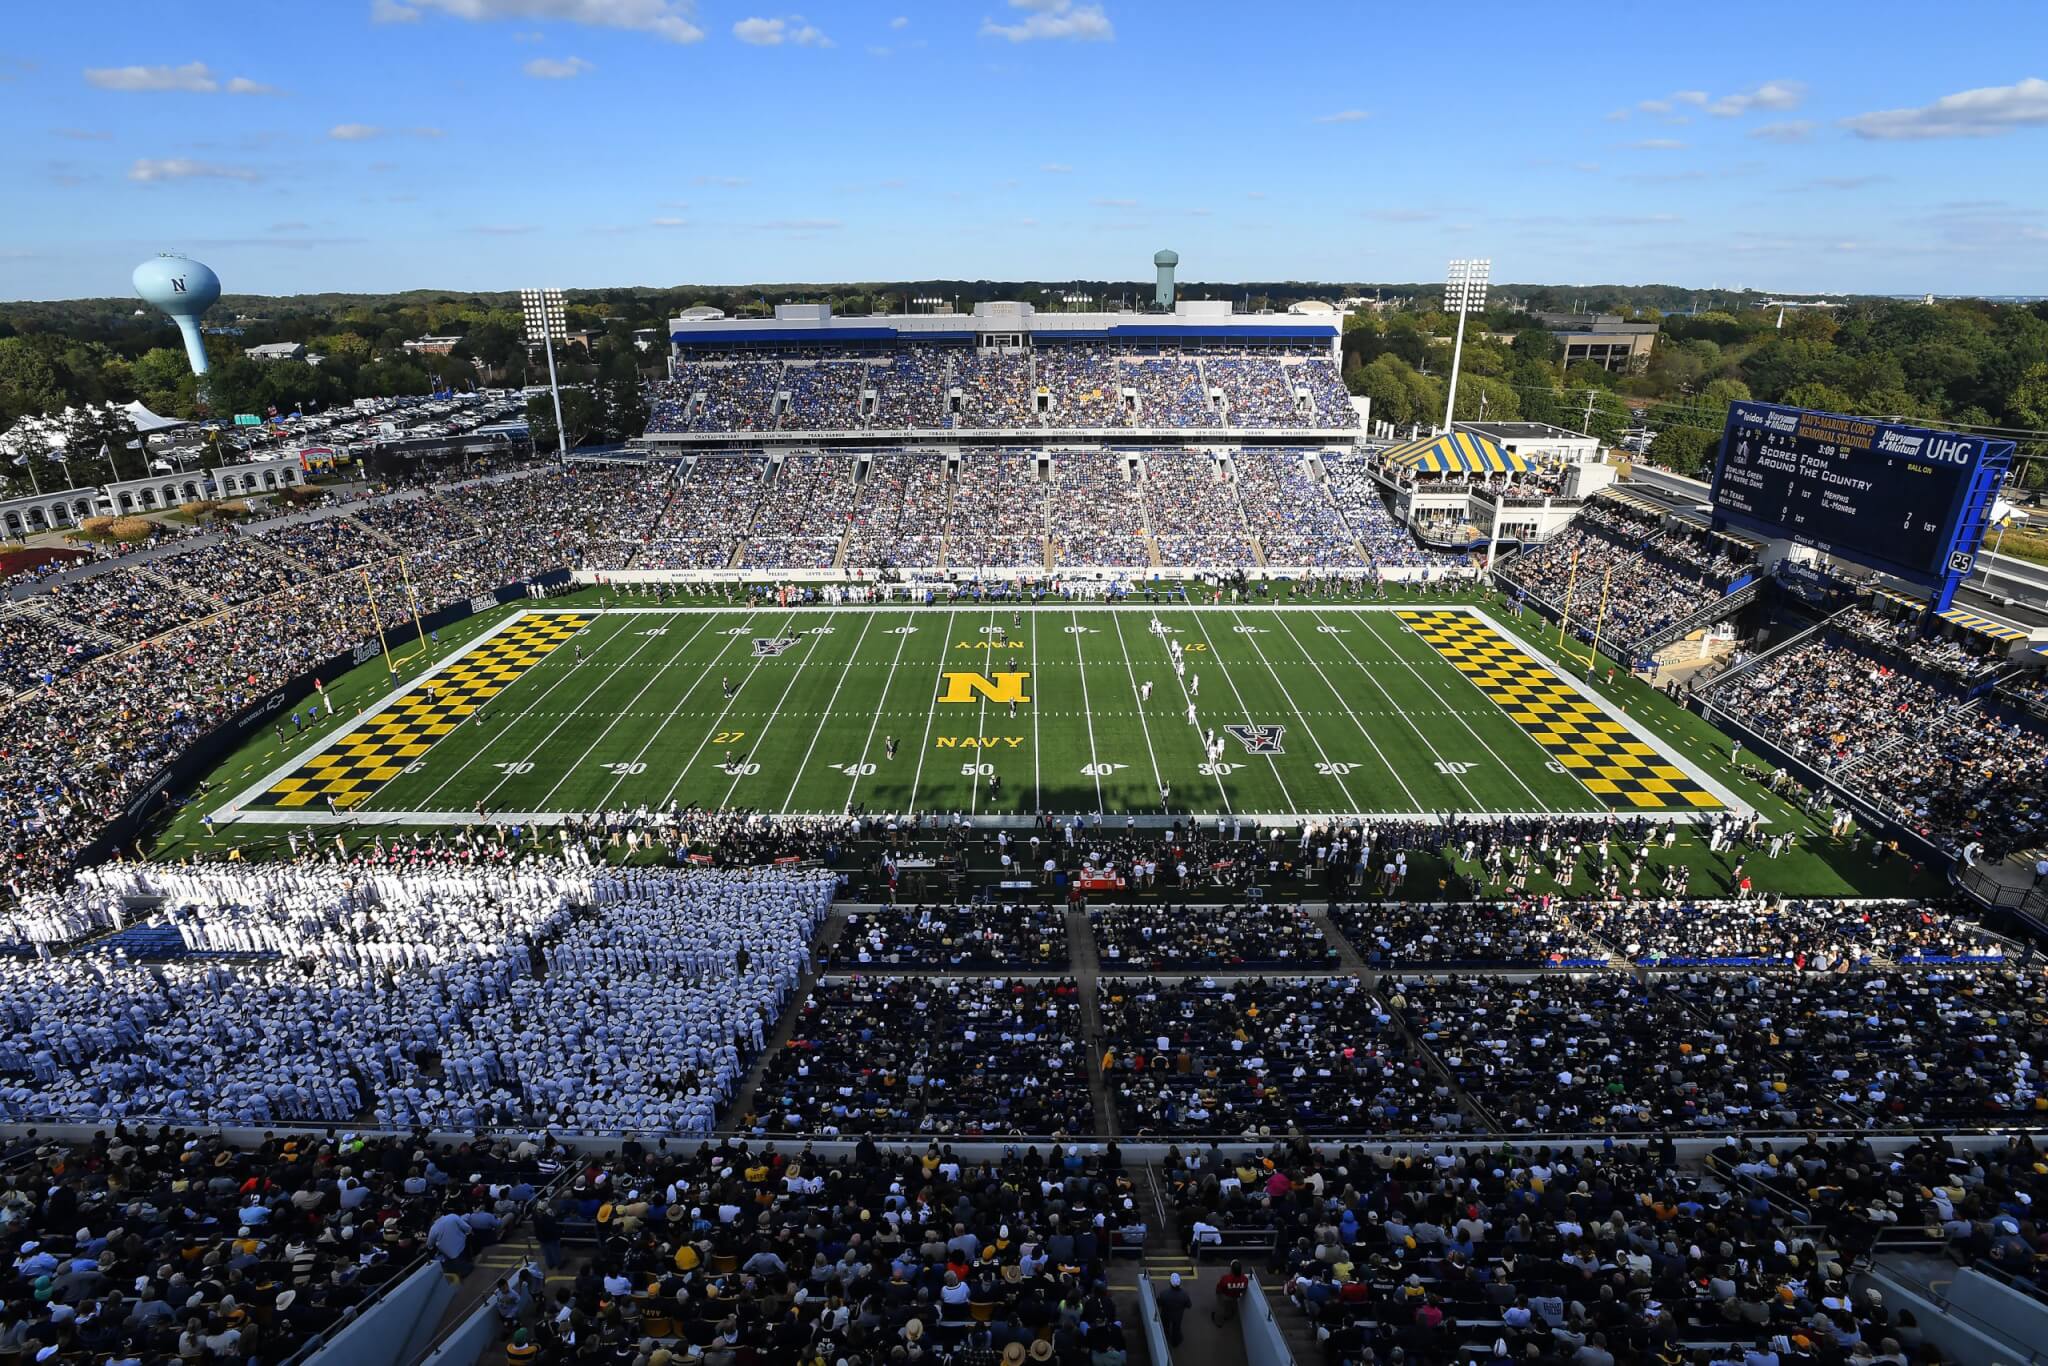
(1696, 98)
(1657, 145)
(1616, 116)
(1053, 19)
(1771, 95)
(1792, 130)
(1654, 106)
(1115, 203)
(794, 30)
(193, 78)
(367, 132)
(1344, 116)
(669, 19)
(1057, 168)
(1991, 111)
(723, 182)
(149, 170)
(671, 222)
(900, 21)
(878, 50)
(557, 68)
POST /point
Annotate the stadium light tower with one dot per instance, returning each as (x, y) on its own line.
(547, 318)
(1464, 291)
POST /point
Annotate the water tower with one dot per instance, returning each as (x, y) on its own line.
(1163, 295)
(184, 289)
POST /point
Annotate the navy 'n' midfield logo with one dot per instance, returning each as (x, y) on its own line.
(767, 648)
(1258, 739)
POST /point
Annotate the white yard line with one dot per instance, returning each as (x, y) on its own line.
(574, 713)
(931, 714)
(1037, 786)
(981, 725)
(1512, 771)
(1158, 778)
(1436, 754)
(658, 675)
(723, 711)
(1251, 637)
(1081, 661)
(1313, 663)
(810, 644)
(876, 724)
(868, 619)
(673, 712)
(1221, 791)
(1224, 665)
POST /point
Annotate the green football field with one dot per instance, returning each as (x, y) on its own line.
(994, 712)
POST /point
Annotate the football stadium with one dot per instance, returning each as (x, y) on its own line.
(977, 833)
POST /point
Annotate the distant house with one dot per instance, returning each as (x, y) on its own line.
(270, 351)
(432, 346)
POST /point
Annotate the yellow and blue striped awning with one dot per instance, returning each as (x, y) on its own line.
(1905, 600)
(1455, 453)
(1628, 497)
(1983, 626)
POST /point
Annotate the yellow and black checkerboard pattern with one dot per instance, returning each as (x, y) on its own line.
(1614, 764)
(378, 750)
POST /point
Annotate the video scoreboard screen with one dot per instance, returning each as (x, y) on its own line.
(1905, 500)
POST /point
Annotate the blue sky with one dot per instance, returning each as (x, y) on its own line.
(475, 144)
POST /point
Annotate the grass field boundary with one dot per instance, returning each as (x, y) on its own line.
(605, 718)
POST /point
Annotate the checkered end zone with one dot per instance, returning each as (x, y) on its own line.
(378, 749)
(1595, 748)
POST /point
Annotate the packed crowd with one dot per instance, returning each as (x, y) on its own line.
(1621, 576)
(1813, 935)
(1290, 513)
(1590, 1052)
(161, 1245)
(1386, 543)
(1526, 933)
(1095, 512)
(998, 518)
(734, 1254)
(1962, 657)
(1893, 1049)
(1555, 1255)
(1065, 385)
(978, 938)
(465, 998)
(802, 515)
(986, 1057)
(708, 508)
(83, 745)
(1193, 514)
(1162, 938)
(901, 516)
(1960, 773)
(1252, 1057)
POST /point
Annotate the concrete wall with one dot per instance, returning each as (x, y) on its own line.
(1150, 1324)
(1263, 1344)
(395, 1328)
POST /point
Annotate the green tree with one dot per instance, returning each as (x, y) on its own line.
(2026, 405)
(1683, 449)
(1816, 395)
(28, 382)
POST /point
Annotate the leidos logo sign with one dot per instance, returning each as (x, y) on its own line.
(971, 687)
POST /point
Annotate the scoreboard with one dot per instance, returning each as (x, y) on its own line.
(1903, 500)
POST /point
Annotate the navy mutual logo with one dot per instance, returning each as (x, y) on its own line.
(767, 648)
(1258, 739)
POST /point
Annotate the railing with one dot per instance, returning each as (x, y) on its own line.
(1733, 601)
